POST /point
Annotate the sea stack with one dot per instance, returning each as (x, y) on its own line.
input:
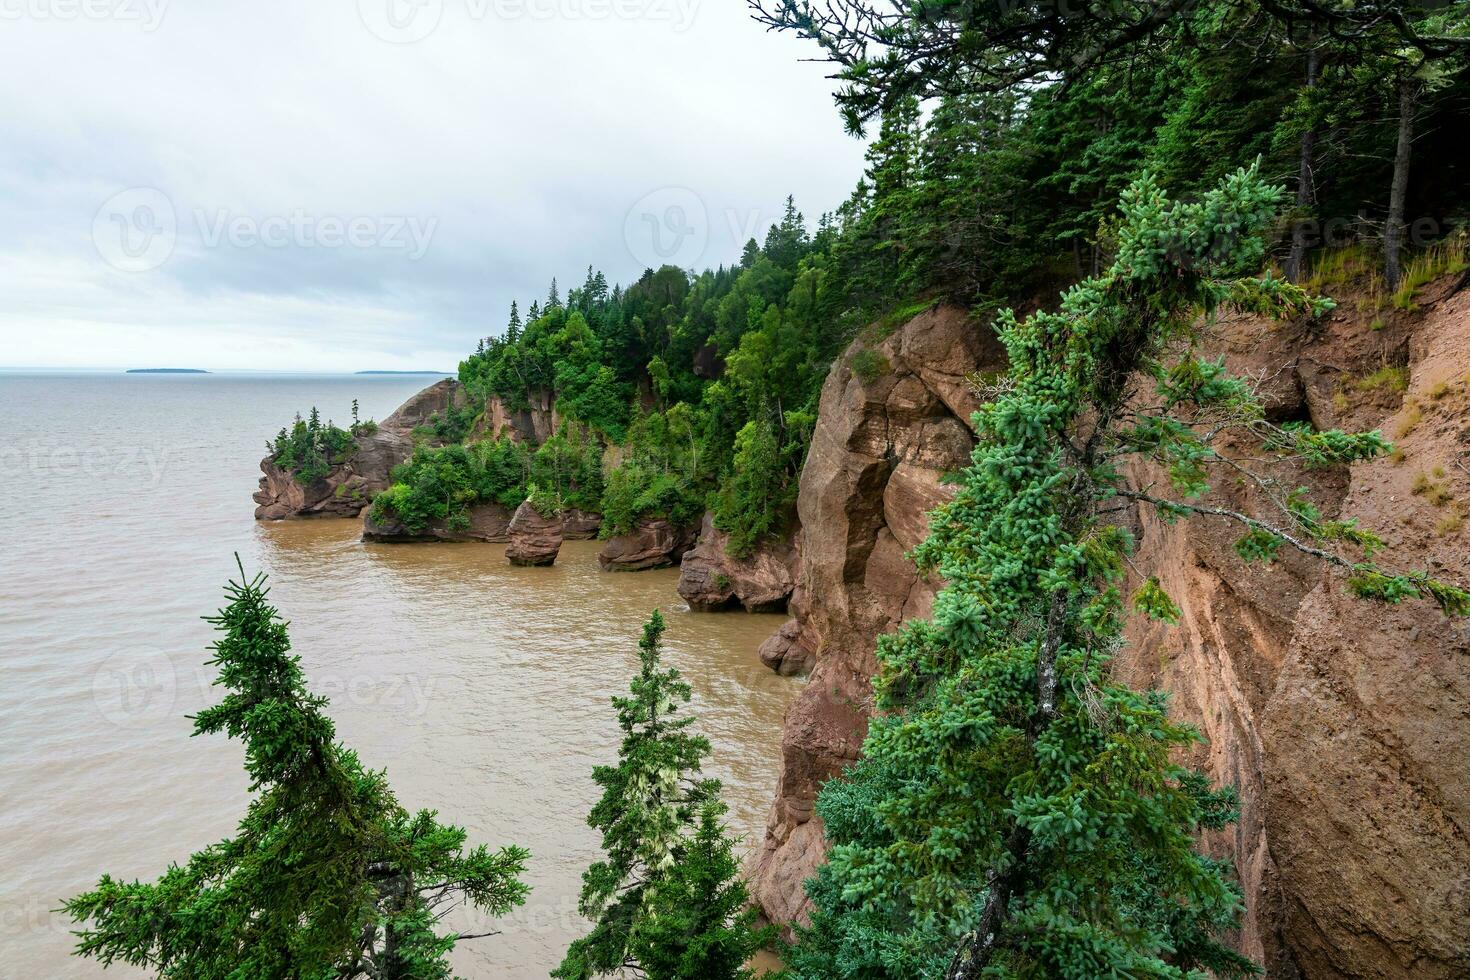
(534, 539)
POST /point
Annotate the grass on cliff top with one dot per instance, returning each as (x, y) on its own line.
(1359, 268)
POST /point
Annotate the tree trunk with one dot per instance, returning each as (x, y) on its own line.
(1393, 229)
(1306, 185)
(978, 945)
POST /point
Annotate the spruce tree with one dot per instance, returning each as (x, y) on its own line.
(1018, 813)
(667, 900)
(327, 875)
(513, 328)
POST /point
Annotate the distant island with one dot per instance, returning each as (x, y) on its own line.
(166, 371)
(445, 373)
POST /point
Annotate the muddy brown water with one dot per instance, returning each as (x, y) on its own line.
(482, 688)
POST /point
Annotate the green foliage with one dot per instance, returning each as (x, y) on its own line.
(361, 427)
(1003, 759)
(674, 369)
(667, 900)
(1258, 545)
(1006, 778)
(327, 875)
(635, 490)
(439, 485)
(759, 492)
(1369, 582)
(1154, 602)
(545, 502)
(311, 448)
(448, 426)
(869, 365)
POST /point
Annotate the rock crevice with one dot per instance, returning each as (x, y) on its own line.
(881, 448)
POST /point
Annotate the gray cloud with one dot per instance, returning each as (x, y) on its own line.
(317, 195)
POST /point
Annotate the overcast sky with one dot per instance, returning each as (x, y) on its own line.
(343, 184)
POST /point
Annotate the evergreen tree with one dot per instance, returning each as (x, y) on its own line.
(1011, 793)
(513, 328)
(755, 498)
(667, 901)
(327, 875)
(749, 253)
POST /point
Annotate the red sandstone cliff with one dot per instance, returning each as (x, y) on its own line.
(881, 446)
(1344, 724)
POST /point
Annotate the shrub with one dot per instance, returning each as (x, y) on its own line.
(635, 490)
(868, 365)
(441, 484)
(449, 426)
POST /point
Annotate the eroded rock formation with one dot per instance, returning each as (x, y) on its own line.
(534, 424)
(579, 525)
(782, 651)
(534, 539)
(655, 542)
(344, 492)
(351, 485)
(433, 400)
(878, 455)
(710, 579)
(1344, 724)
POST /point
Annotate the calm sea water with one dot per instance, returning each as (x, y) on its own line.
(482, 688)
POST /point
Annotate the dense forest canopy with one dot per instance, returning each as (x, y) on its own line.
(1002, 140)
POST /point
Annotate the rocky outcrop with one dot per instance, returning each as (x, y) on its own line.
(345, 490)
(875, 468)
(782, 651)
(534, 539)
(1344, 724)
(710, 579)
(419, 409)
(534, 424)
(579, 525)
(655, 542)
(487, 522)
(351, 485)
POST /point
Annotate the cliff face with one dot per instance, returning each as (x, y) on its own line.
(1342, 723)
(535, 424)
(883, 442)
